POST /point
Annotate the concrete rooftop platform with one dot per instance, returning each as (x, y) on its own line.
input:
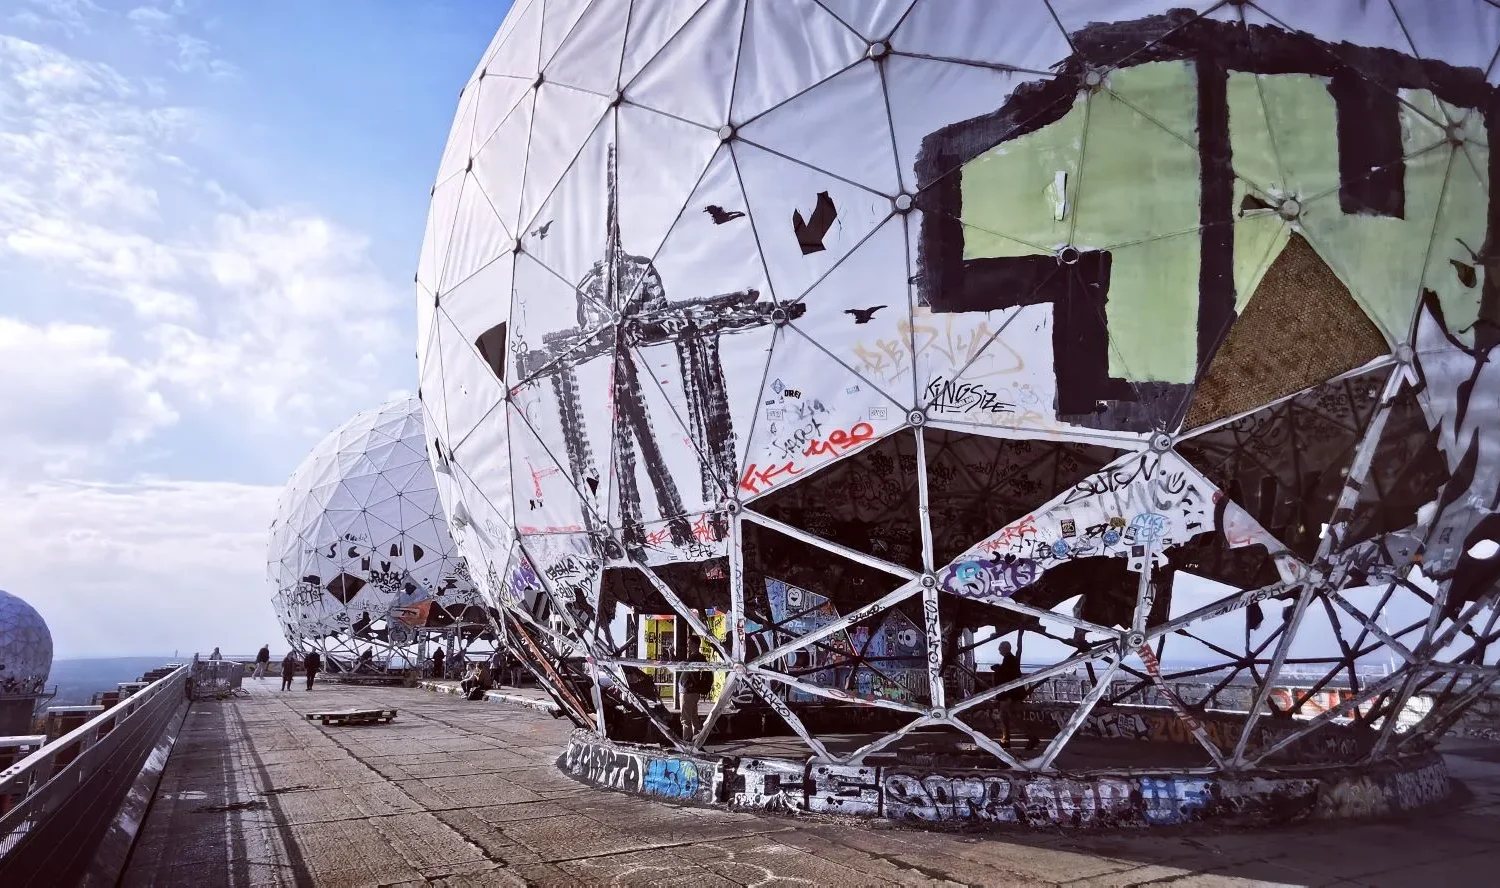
(461, 793)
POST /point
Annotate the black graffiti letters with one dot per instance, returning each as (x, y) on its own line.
(951, 396)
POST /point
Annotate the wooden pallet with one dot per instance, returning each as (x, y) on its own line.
(353, 717)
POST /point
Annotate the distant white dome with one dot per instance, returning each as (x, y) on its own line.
(25, 647)
(360, 554)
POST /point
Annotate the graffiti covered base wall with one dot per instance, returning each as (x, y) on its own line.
(968, 797)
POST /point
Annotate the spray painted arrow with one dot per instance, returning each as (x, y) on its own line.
(811, 231)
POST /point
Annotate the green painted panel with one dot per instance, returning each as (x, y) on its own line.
(1131, 168)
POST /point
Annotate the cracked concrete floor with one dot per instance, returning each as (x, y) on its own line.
(461, 793)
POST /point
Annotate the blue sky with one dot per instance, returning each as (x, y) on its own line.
(210, 214)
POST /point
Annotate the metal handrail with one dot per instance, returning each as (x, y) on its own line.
(38, 784)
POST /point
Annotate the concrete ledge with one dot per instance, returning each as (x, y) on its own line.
(540, 705)
(507, 698)
(959, 797)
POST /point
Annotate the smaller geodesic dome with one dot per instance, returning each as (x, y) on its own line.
(25, 648)
(360, 557)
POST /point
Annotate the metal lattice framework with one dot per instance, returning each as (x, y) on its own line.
(857, 336)
(360, 558)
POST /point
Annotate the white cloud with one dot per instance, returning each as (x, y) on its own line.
(244, 309)
(149, 310)
(194, 54)
(69, 398)
(142, 568)
(67, 16)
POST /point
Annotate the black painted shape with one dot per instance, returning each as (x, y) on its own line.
(344, 587)
(1077, 293)
(863, 315)
(313, 579)
(1487, 327)
(1372, 173)
(1463, 477)
(719, 215)
(710, 422)
(635, 423)
(1473, 577)
(491, 345)
(810, 232)
(1216, 294)
(395, 550)
(416, 552)
(1465, 272)
(1408, 471)
(1479, 352)
(1008, 282)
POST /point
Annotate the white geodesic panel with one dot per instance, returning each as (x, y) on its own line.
(360, 554)
(25, 647)
(1115, 325)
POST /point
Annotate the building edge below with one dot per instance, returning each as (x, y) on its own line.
(963, 797)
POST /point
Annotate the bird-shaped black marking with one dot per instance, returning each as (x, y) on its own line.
(541, 230)
(863, 315)
(721, 215)
(810, 232)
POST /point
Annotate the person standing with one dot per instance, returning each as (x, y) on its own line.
(262, 660)
(497, 667)
(288, 670)
(437, 663)
(694, 685)
(1005, 671)
(215, 654)
(312, 663)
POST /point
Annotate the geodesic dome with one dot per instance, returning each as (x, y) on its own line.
(25, 647)
(853, 338)
(360, 556)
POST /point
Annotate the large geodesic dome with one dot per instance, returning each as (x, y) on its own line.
(360, 557)
(844, 340)
(25, 648)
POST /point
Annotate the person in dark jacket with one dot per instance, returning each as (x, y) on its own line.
(262, 660)
(1005, 671)
(694, 685)
(437, 663)
(312, 663)
(288, 670)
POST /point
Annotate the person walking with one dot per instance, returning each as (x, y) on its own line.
(262, 660)
(437, 663)
(312, 663)
(694, 685)
(288, 670)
